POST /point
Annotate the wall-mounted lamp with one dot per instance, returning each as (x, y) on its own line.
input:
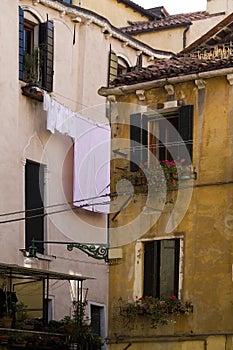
(96, 251)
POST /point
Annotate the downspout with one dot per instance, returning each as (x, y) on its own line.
(184, 35)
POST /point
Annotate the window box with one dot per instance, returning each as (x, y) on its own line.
(33, 91)
(159, 310)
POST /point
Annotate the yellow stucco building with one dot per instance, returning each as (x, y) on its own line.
(176, 247)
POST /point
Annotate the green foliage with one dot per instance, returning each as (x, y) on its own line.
(32, 65)
(159, 310)
(162, 176)
(77, 330)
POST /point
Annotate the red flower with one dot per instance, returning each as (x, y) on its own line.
(172, 297)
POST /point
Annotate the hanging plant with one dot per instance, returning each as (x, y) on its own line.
(159, 310)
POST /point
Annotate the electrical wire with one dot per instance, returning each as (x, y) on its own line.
(51, 213)
(53, 205)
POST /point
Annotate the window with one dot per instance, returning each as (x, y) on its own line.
(167, 137)
(34, 204)
(67, 1)
(35, 50)
(98, 320)
(123, 66)
(161, 268)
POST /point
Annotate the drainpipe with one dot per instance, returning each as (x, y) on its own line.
(184, 35)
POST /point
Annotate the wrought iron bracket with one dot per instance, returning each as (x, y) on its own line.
(99, 252)
(96, 251)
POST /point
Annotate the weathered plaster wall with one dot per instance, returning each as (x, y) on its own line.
(118, 14)
(206, 229)
(174, 39)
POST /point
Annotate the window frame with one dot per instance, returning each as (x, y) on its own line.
(30, 209)
(139, 264)
(42, 34)
(140, 134)
(153, 278)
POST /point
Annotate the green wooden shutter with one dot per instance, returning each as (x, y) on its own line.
(138, 140)
(21, 42)
(169, 267)
(34, 199)
(135, 141)
(151, 268)
(144, 139)
(186, 131)
(113, 67)
(46, 45)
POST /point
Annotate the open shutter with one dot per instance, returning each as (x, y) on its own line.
(21, 43)
(46, 44)
(34, 192)
(144, 139)
(113, 66)
(151, 259)
(186, 131)
(169, 267)
(135, 141)
(138, 140)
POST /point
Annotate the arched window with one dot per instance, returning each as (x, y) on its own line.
(123, 66)
(35, 50)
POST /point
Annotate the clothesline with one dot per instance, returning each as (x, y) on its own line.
(91, 151)
(63, 119)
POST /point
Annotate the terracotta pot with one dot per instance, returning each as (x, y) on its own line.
(6, 322)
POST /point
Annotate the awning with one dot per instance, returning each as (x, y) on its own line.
(16, 271)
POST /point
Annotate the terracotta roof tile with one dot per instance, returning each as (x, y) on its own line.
(168, 21)
(175, 66)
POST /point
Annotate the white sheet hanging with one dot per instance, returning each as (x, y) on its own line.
(92, 166)
(91, 154)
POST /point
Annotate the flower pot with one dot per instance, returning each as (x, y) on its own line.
(32, 91)
(4, 339)
(6, 322)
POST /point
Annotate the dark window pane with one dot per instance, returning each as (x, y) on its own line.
(34, 193)
(161, 268)
(96, 319)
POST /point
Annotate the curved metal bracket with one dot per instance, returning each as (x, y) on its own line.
(95, 251)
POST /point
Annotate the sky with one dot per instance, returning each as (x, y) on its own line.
(174, 6)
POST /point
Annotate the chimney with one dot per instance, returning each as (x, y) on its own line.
(216, 6)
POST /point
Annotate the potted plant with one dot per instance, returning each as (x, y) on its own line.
(8, 302)
(159, 310)
(77, 331)
(18, 341)
(31, 67)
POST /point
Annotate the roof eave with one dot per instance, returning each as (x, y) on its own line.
(147, 85)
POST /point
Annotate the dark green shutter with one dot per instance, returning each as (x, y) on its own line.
(186, 131)
(21, 42)
(34, 204)
(138, 140)
(135, 141)
(144, 139)
(46, 45)
(113, 67)
(151, 266)
(169, 267)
